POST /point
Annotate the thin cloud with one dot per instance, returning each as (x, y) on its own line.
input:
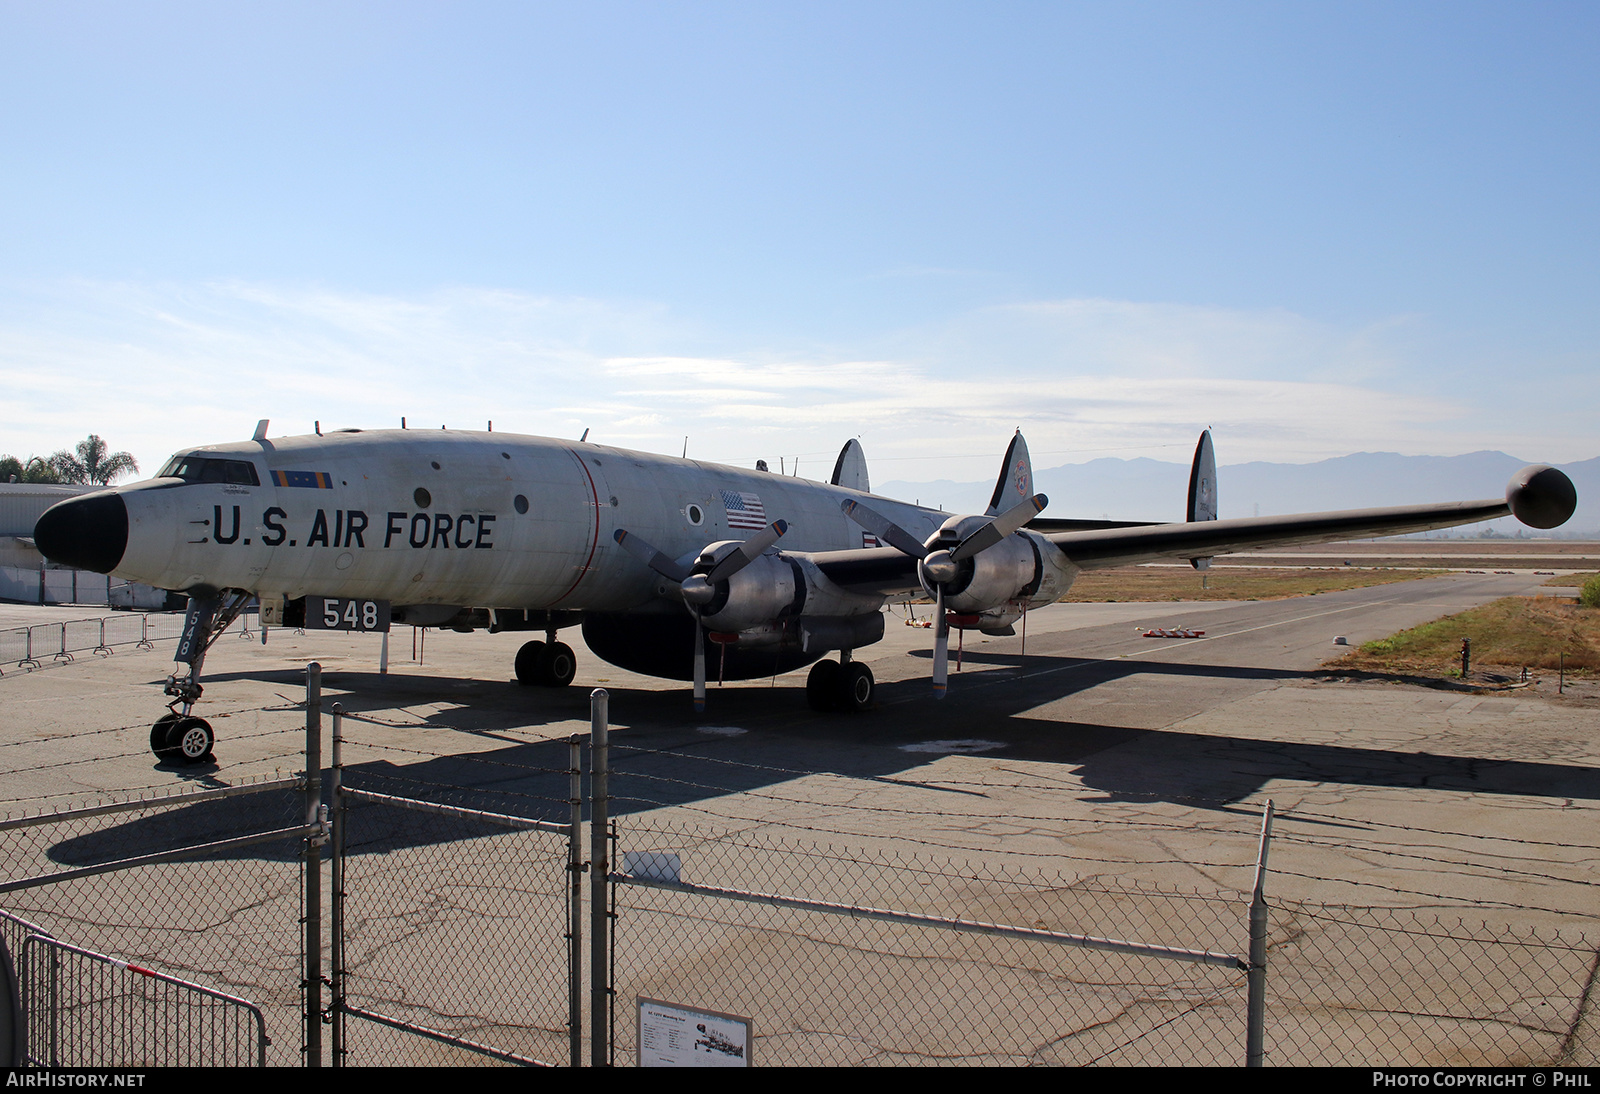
(156, 368)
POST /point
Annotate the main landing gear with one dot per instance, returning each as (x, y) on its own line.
(842, 685)
(178, 736)
(549, 664)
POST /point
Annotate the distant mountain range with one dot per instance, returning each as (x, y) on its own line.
(1144, 489)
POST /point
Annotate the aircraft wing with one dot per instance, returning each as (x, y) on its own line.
(1102, 549)
(1539, 496)
(874, 571)
(1048, 525)
(887, 572)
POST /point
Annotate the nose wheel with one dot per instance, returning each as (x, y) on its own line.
(182, 739)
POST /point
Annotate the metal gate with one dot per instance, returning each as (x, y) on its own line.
(455, 931)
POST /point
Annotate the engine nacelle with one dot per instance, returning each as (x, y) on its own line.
(989, 578)
(1022, 570)
(761, 592)
(774, 587)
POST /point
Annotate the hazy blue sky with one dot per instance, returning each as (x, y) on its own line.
(1319, 228)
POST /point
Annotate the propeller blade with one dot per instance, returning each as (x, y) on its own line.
(884, 528)
(941, 645)
(699, 667)
(1000, 527)
(747, 552)
(646, 553)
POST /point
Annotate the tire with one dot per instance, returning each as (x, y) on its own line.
(824, 686)
(856, 687)
(527, 663)
(557, 665)
(160, 732)
(191, 740)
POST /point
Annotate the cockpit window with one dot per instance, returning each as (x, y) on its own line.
(211, 469)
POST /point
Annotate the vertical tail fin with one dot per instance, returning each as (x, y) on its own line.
(1015, 484)
(1203, 489)
(850, 469)
(1203, 481)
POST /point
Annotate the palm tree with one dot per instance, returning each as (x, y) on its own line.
(35, 469)
(93, 466)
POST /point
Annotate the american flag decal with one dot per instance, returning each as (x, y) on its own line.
(744, 510)
(870, 540)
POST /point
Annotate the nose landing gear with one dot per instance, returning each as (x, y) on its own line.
(178, 736)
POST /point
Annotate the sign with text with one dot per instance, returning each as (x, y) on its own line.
(674, 1036)
(337, 613)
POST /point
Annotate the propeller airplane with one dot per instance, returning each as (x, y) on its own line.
(660, 560)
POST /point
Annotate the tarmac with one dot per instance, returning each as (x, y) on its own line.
(1144, 757)
(1079, 748)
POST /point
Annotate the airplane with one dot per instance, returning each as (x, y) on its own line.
(663, 562)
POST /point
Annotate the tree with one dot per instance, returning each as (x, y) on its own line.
(92, 465)
(35, 469)
(1589, 597)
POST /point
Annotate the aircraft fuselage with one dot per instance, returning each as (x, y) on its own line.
(447, 517)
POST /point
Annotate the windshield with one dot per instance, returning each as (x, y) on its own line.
(197, 468)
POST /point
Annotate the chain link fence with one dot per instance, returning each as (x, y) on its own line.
(204, 887)
(842, 988)
(1396, 987)
(455, 938)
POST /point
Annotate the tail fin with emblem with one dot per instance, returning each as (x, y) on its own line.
(1015, 484)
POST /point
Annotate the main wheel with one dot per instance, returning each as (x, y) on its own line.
(823, 686)
(192, 740)
(856, 686)
(161, 731)
(557, 665)
(527, 663)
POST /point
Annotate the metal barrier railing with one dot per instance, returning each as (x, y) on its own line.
(29, 647)
(85, 1009)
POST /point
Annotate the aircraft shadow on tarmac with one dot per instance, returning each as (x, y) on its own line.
(756, 738)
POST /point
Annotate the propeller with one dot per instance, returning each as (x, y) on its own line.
(700, 589)
(939, 565)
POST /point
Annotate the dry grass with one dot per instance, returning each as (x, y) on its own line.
(1508, 634)
(1154, 583)
(1574, 580)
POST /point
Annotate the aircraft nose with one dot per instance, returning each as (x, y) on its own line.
(87, 533)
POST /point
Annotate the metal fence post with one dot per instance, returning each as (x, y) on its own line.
(599, 869)
(1255, 1035)
(336, 891)
(313, 937)
(575, 911)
